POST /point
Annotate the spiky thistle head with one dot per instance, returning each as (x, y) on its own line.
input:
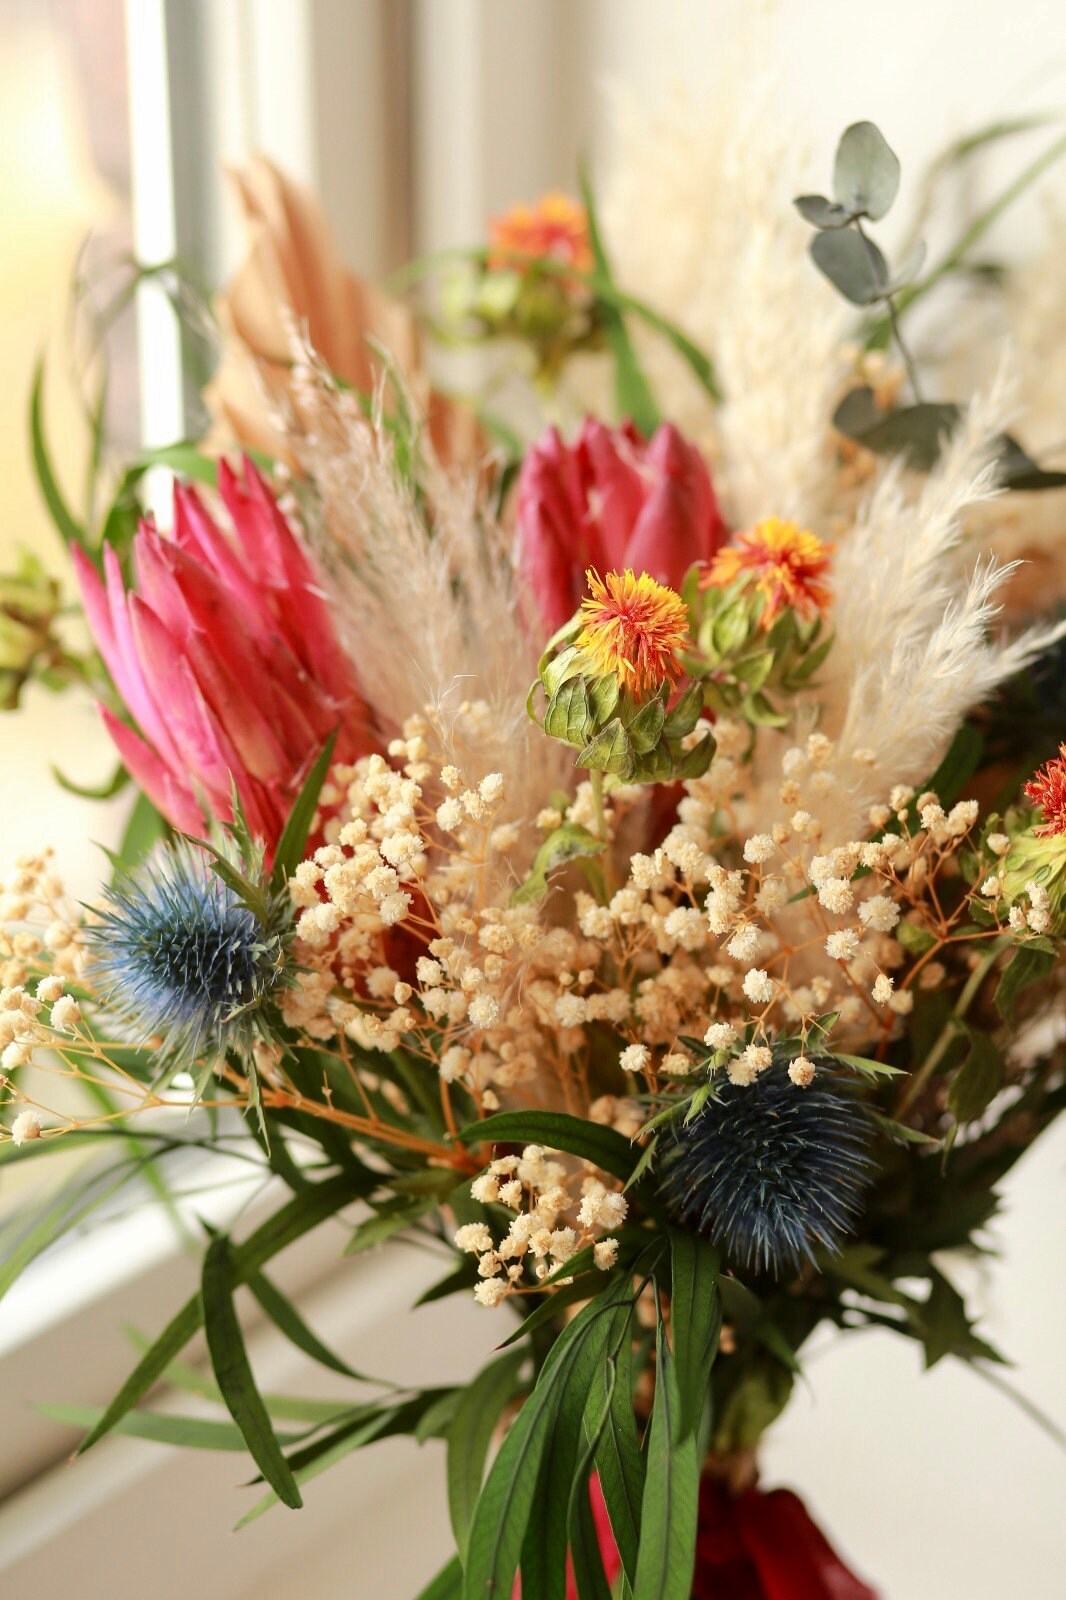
(768, 1171)
(180, 955)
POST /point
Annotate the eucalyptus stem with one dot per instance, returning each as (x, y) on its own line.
(893, 322)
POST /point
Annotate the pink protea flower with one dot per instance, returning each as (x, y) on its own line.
(611, 501)
(226, 658)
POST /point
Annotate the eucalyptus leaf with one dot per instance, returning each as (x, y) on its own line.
(854, 265)
(820, 212)
(915, 432)
(1020, 473)
(865, 171)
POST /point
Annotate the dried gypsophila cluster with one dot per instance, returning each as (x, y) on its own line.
(759, 933)
(41, 954)
(499, 994)
(551, 1224)
(727, 932)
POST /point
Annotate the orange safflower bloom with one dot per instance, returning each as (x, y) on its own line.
(633, 628)
(787, 563)
(554, 226)
(1048, 791)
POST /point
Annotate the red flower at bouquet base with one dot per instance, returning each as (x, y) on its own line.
(611, 501)
(764, 1546)
(226, 658)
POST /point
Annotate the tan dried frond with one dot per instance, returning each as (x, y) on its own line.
(293, 271)
(425, 600)
(915, 622)
(700, 224)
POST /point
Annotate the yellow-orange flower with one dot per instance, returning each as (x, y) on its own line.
(633, 628)
(788, 565)
(554, 226)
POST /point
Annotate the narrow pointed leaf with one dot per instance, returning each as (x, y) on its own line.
(293, 839)
(695, 1321)
(671, 1494)
(233, 1372)
(558, 1131)
(470, 1436)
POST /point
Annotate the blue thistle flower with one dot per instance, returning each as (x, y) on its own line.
(179, 954)
(768, 1171)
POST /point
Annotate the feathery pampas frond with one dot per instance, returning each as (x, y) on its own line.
(914, 643)
(699, 221)
(425, 602)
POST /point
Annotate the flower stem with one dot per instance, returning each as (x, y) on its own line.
(916, 1084)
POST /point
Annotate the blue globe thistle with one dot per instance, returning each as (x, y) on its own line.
(768, 1171)
(179, 955)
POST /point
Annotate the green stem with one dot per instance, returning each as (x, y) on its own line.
(893, 322)
(977, 228)
(916, 1084)
(596, 784)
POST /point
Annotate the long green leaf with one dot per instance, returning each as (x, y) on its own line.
(302, 1213)
(632, 394)
(144, 827)
(619, 1461)
(293, 839)
(671, 1493)
(447, 1585)
(470, 1435)
(233, 1371)
(558, 1131)
(193, 1433)
(69, 527)
(365, 1425)
(695, 1321)
(506, 1502)
(31, 1233)
(589, 1576)
(290, 1408)
(285, 1317)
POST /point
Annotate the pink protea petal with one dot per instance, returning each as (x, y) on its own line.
(303, 614)
(611, 501)
(128, 670)
(158, 582)
(197, 532)
(149, 772)
(616, 490)
(206, 753)
(97, 611)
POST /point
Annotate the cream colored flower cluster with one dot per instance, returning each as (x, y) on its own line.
(40, 928)
(736, 931)
(40, 954)
(736, 934)
(552, 1222)
(418, 873)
